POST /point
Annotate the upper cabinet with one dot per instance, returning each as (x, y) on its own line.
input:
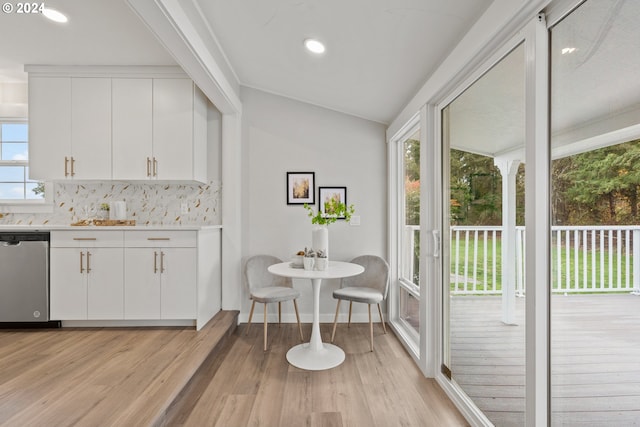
(123, 128)
(132, 128)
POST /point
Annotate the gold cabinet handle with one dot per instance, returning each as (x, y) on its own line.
(81, 262)
(148, 167)
(158, 238)
(73, 161)
(161, 262)
(66, 166)
(155, 167)
(155, 261)
(84, 238)
(88, 262)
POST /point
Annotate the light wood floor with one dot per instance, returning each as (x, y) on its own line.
(139, 377)
(256, 388)
(100, 377)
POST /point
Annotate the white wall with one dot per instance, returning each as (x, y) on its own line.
(280, 135)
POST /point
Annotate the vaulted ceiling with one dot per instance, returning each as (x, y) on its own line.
(379, 52)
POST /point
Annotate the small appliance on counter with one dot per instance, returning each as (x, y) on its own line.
(118, 210)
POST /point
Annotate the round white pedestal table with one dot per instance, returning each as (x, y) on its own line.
(316, 355)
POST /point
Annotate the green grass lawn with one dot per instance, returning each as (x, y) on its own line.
(567, 278)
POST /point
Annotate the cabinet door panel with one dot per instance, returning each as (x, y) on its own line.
(132, 127)
(141, 284)
(105, 297)
(91, 127)
(178, 283)
(49, 126)
(68, 285)
(173, 128)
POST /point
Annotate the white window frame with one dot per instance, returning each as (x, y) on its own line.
(406, 333)
(43, 205)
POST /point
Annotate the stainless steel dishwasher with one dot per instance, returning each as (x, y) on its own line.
(24, 276)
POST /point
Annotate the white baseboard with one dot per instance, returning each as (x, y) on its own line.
(124, 323)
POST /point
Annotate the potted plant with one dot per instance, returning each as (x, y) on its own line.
(333, 210)
(321, 260)
(309, 259)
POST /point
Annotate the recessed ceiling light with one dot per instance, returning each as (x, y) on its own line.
(568, 50)
(54, 15)
(314, 46)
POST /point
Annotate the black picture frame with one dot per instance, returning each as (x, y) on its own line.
(324, 193)
(301, 188)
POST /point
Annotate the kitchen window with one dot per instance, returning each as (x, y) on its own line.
(15, 186)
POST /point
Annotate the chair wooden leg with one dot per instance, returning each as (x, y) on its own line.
(295, 306)
(370, 327)
(350, 305)
(279, 313)
(251, 315)
(381, 319)
(265, 326)
(335, 321)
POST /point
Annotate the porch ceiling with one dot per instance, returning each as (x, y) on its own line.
(594, 104)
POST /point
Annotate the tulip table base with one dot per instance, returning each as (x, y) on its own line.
(329, 356)
(316, 355)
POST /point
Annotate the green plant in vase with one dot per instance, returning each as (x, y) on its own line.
(333, 210)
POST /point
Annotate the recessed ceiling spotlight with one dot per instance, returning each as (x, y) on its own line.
(314, 46)
(54, 15)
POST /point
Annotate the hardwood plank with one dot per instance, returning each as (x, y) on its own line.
(325, 419)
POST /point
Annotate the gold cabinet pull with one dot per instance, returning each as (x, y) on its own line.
(155, 167)
(66, 166)
(148, 167)
(155, 261)
(84, 238)
(158, 238)
(88, 262)
(73, 161)
(161, 262)
(81, 262)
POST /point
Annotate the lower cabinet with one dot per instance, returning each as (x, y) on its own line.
(135, 275)
(86, 282)
(160, 283)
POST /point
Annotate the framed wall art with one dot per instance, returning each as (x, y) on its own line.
(301, 188)
(326, 194)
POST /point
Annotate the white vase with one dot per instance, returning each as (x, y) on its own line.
(320, 239)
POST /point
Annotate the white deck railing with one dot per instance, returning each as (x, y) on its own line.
(584, 259)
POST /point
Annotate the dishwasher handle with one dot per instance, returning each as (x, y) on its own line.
(14, 243)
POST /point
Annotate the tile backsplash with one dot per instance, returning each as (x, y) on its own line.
(147, 203)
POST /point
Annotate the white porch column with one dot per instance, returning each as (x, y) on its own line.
(508, 170)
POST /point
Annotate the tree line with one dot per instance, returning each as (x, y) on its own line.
(598, 187)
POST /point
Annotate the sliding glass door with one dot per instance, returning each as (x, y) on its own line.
(483, 272)
(595, 232)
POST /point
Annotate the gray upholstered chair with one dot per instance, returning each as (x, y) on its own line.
(265, 287)
(370, 287)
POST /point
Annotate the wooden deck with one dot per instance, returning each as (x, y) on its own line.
(595, 359)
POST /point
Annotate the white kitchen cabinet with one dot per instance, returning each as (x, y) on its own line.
(159, 130)
(93, 126)
(128, 276)
(172, 129)
(86, 275)
(132, 128)
(49, 127)
(69, 128)
(160, 279)
(90, 128)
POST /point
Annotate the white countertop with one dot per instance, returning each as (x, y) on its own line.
(48, 227)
